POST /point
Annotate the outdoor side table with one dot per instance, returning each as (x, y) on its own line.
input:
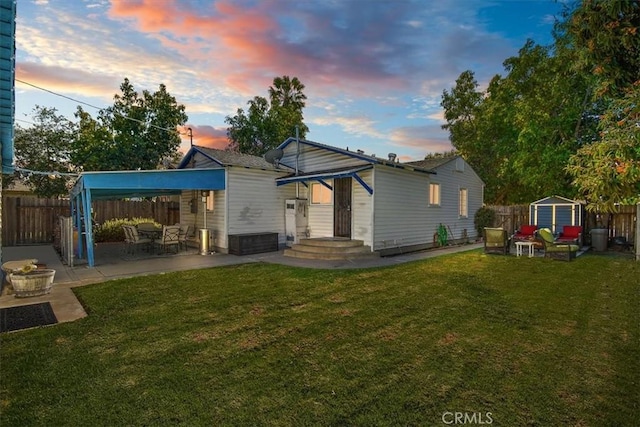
(530, 245)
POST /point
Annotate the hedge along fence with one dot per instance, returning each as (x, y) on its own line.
(32, 220)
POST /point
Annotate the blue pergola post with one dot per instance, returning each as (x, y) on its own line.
(88, 225)
(77, 222)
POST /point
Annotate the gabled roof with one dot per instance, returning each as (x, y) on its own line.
(357, 155)
(226, 158)
(432, 163)
(555, 200)
(354, 154)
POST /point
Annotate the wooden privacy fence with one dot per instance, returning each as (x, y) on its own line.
(32, 220)
(622, 223)
(510, 217)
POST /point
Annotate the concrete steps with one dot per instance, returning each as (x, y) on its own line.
(330, 248)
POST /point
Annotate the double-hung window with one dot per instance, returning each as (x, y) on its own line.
(463, 206)
(434, 194)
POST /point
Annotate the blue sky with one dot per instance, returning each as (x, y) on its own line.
(374, 71)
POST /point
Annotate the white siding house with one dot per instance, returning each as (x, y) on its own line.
(390, 206)
(250, 202)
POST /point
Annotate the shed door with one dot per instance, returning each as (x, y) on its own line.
(342, 207)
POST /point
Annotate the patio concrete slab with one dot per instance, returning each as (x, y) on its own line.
(112, 263)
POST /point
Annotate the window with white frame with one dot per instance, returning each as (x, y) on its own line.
(320, 194)
(434, 194)
(463, 209)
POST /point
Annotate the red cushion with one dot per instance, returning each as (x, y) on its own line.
(528, 229)
(571, 231)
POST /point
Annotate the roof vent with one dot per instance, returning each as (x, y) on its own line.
(359, 151)
(392, 157)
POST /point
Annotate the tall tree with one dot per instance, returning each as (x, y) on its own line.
(45, 149)
(137, 132)
(606, 170)
(519, 134)
(464, 111)
(267, 123)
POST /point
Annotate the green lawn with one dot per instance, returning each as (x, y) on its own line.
(511, 341)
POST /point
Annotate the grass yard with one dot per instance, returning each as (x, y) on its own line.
(501, 340)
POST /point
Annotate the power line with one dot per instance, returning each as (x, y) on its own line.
(97, 108)
(58, 94)
(24, 121)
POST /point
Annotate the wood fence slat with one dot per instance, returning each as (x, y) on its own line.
(32, 220)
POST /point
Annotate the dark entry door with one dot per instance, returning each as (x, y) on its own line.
(342, 207)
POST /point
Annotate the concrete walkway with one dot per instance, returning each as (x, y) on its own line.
(112, 264)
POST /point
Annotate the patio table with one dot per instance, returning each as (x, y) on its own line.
(154, 234)
(530, 244)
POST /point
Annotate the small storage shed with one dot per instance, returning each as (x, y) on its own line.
(555, 212)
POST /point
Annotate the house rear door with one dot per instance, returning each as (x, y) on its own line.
(342, 207)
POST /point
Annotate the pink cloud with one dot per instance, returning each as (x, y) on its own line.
(256, 47)
(59, 79)
(425, 139)
(205, 136)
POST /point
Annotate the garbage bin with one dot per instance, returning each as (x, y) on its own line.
(600, 239)
(204, 241)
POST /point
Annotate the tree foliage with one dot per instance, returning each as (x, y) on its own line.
(561, 120)
(137, 132)
(519, 133)
(606, 171)
(45, 147)
(267, 123)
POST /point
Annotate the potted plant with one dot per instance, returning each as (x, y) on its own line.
(29, 281)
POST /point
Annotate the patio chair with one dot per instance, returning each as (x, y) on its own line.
(136, 240)
(496, 241)
(170, 237)
(570, 234)
(183, 235)
(555, 250)
(525, 233)
(128, 240)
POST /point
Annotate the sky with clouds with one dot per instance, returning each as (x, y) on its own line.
(373, 70)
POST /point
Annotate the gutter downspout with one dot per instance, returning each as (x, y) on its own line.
(297, 161)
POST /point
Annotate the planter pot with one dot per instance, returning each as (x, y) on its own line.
(37, 282)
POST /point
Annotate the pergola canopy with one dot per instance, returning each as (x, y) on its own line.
(128, 184)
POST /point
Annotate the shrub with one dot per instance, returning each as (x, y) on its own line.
(485, 217)
(111, 230)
